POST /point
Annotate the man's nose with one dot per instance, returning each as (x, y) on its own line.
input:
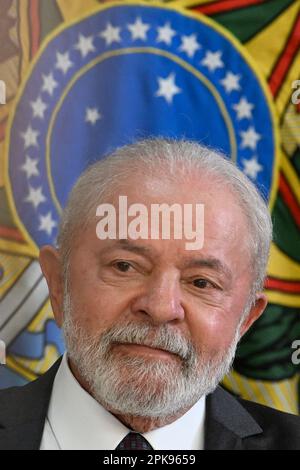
(160, 299)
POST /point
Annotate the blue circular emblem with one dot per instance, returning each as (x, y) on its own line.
(124, 73)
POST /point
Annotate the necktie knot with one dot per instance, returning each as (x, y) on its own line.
(134, 441)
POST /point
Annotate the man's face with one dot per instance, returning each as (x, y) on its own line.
(196, 296)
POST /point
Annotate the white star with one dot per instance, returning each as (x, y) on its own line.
(212, 60)
(85, 45)
(231, 82)
(35, 197)
(49, 84)
(38, 108)
(63, 62)
(165, 34)
(138, 30)
(30, 137)
(92, 115)
(111, 34)
(30, 167)
(189, 44)
(47, 223)
(252, 168)
(243, 109)
(167, 88)
(250, 138)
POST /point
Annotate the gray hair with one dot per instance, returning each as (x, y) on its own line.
(179, 158)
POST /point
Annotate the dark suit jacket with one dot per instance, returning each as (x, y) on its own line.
(230, 423)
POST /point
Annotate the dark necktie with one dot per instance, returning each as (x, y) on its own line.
(134, 441)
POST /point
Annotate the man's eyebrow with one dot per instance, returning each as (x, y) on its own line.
(211, 263)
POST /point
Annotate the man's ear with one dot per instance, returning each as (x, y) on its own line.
(52, 269)
(256, 311)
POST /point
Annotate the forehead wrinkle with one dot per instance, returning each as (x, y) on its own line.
(127, 245)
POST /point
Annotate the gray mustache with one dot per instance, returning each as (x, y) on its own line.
(163, 338)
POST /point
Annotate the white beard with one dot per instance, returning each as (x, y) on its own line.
(144, 386)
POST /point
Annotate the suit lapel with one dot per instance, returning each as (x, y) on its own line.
(228, 424)
(23, 411)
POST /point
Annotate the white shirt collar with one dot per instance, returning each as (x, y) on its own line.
(77, 421)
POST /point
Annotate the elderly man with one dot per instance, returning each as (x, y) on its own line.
(151, 322)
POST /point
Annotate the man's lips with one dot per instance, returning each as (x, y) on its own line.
(146, 349)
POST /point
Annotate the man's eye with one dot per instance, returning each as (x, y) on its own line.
(202, 283)
(122, 266)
